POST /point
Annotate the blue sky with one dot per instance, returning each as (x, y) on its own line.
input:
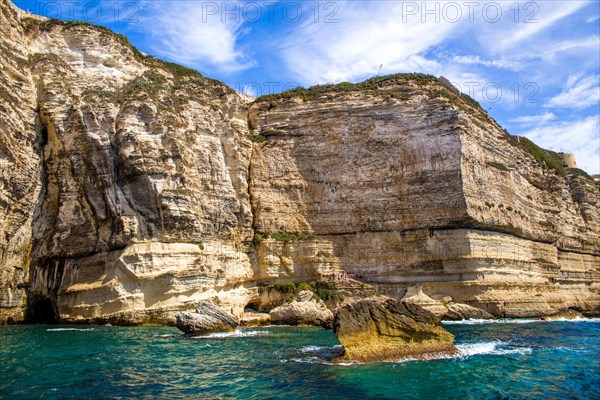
(534, 65)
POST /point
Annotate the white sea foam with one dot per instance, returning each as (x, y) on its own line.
(235, 334)
(319, 349)
(575, 349)
(317, 360)
(577, 319)
(472, 349)
(309, 360)
(494, 348)
(464, 350)
(68, 329)
(515, 321)
(492, 321)
(166, 336)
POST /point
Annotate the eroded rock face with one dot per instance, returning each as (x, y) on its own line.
(127, 188)
(411, 184)
(255, 319)
(564, 314)
(380, 330)
(458, 312)
(207, 318)
(20, 180)
(306, 310)
(415, 298)
(129, 191)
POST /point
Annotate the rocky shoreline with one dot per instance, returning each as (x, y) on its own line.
(369, 330)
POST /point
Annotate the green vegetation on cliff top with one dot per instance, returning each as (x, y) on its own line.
(545, 158)
(374, 83)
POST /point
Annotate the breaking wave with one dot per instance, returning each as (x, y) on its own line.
(494, 348)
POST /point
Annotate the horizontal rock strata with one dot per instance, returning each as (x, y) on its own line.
(412, 184)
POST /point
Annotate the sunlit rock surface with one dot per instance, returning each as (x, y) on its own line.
(389, 329)
(131, 189)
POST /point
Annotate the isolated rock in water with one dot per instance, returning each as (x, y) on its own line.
(207, 318)
(415, 296)
(459, 311)
(389, 329)
(309, 311)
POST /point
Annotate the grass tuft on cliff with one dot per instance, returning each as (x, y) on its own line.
(498, 165)
(545, 158)
(257, 138)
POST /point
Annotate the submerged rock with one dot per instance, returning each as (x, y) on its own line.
(459, 311)
(307, 310)
(389, 329)
(207, 318)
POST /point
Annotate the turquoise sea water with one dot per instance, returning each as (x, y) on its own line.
(508, 360)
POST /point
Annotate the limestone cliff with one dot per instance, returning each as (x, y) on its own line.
(124, 178)
(411, 183)
(130, 189)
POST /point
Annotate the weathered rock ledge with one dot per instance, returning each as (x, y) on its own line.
(306, 309)
(389, 329)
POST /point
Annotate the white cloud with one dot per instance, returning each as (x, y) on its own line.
(530, 120)
(367, 36)
(544, 15)
(196, 34)
(370, 34)
(592, 19)
(554, 49)
(580, 92)
(477, 60)
(579, 136)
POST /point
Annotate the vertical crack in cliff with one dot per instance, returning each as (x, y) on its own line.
(41, 303)
(254, 248)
